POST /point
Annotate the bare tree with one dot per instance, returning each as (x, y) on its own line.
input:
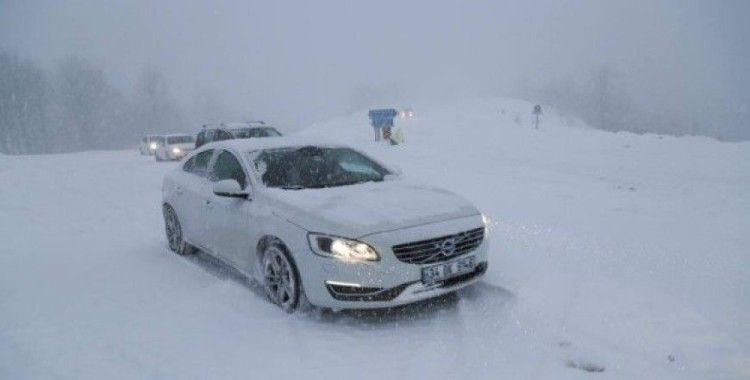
(89, 106)
(154, 109)
(24, 96)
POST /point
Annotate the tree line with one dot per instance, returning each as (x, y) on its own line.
(75, 107)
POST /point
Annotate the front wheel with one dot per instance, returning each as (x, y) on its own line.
(280, 278)
(173, 229)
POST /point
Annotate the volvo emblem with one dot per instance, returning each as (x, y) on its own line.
(448, 246)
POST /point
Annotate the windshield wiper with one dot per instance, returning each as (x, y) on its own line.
(292, 187)
(349, 183)
(327, 185)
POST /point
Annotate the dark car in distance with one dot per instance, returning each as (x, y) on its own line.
(228, 131)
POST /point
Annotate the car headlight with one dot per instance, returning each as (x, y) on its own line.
(487, 222)
(153, 146)
(176, 150)
(341, 248)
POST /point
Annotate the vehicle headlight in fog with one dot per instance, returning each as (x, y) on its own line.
(341, 248)
(486, 221)
(153, 146)
(176, 150)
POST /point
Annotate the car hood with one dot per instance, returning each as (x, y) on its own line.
(363, 209)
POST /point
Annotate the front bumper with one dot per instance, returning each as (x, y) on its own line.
(388, 282)
(346, 292)
(177, 156)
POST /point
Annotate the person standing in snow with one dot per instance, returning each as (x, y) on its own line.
(376, 128)
(387, 131)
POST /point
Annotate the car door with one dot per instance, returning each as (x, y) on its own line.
(193, 192)
(228, 218)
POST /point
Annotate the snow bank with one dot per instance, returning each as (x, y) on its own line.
(629, 247)
(616, 253)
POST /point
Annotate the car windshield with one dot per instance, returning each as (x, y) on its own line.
(180, 139)
(244, 133)
(315, 167)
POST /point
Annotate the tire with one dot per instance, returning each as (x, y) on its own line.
(173, 230)
(281, 280)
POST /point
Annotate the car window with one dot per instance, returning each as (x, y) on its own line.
(201, 139)
(188, 165)
(244, 133)
(271, 132)
(220, 135)
(315, 167)
(199, 166)
(180, 139)
(227, 166)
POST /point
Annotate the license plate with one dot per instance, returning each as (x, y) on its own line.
(444, 271)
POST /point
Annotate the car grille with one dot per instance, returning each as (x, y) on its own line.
(440, 248)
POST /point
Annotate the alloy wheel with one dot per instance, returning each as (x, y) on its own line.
(280, 279)
(173, 229)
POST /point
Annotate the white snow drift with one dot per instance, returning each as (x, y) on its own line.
(622, 255)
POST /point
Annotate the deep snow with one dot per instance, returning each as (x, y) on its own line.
(609, 251)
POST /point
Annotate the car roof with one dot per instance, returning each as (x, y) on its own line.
(173, 135)
(248, 145)
(238, 124)
(247, 125)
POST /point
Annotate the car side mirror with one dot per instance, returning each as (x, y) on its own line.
(230, 188)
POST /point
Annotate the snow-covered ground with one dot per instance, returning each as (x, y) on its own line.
(610, 252)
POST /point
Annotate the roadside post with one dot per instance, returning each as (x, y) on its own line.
(537, 112)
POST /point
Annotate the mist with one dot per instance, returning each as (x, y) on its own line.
(294, 63)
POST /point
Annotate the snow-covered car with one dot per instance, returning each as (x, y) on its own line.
(228, 131)
(175, 147)
(150, 143)
(322, 224)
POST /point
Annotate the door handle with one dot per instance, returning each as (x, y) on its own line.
(208, 203)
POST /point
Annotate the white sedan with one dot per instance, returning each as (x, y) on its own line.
(322, 224)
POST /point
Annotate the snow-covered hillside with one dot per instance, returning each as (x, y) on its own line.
(610, 252)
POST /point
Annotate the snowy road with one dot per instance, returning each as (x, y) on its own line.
(622, 253)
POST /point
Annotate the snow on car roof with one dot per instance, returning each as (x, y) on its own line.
(250, 124)
(247, 145)
(172, 135)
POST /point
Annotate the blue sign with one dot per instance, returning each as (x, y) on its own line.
(382, 117)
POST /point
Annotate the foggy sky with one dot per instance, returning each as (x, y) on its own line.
(297, 62)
